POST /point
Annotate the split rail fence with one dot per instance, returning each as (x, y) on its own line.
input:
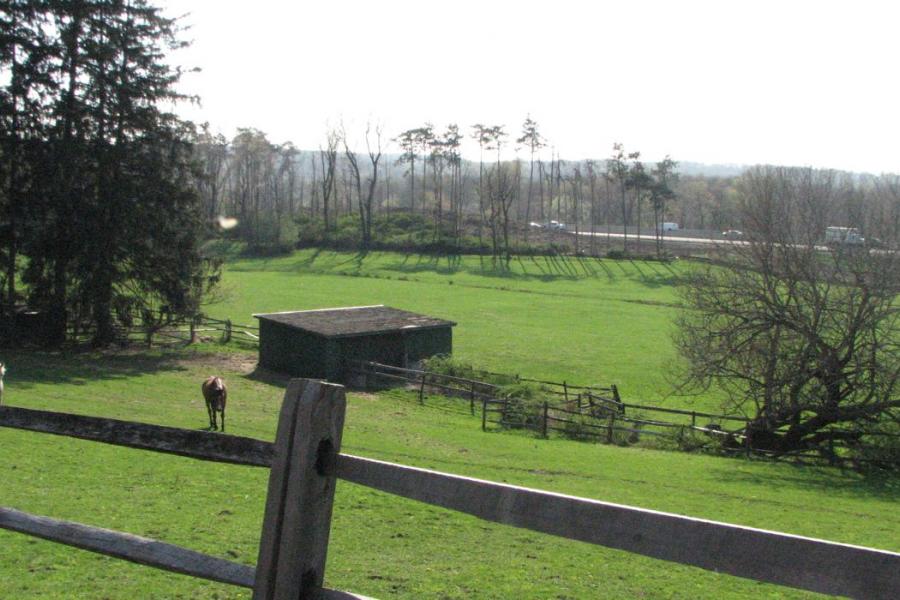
(592, 412)
(305, 461)
(161, 325)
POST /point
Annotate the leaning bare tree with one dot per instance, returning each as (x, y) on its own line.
(802, 337)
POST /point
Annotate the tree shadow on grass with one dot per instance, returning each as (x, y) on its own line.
(27, 368)
(554, 268)
(546, 268)
(828, 480)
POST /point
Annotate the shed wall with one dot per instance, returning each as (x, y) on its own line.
(383, 348)
(298, 353)
(428, 342)
(293, 352)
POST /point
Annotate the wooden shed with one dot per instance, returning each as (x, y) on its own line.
(321, 343)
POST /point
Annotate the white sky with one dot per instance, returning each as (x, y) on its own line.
(785, 82)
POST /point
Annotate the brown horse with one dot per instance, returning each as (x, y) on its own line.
(215, 393)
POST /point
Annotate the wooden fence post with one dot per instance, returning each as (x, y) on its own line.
(194, 329)
(615, 391)
(472, 399)
(544, 425)
(693, 418)
(294, 540)
(422, 390)
(612, 422)
(566, 391)
(484, 413)
(227, 331)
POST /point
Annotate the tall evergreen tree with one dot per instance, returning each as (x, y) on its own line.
(119, 222)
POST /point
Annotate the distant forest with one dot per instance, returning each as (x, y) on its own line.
(347, 189)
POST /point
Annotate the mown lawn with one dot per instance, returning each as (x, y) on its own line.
(582, 320)
(381, 545)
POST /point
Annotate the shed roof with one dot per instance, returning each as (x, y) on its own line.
(354, 320)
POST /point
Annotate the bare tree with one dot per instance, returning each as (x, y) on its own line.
(501, 184)
(353, 164)
(805, 339)
(407, 141)
(328, 164)
(617, 169)
(592, 182)
(481, 134)
(374, 159)
(661, 193)
(533, 140)
(451, 142)
(639, 181)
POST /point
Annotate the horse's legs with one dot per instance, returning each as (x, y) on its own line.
(212, 415)
(223, 420)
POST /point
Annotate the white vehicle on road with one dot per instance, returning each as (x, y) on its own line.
(843, 235)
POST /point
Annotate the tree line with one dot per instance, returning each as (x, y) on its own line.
(266, 185)
(493, 204)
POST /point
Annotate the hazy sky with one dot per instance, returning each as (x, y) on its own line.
(788, 82)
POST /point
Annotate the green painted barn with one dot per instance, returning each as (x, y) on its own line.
(321, 343)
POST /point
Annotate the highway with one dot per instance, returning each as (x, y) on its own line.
(645, 238)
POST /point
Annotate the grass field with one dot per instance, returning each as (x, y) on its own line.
(585, 321)
(382, 545)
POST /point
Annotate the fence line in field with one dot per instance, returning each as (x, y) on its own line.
(305, 460)
(183, 329)
(588, 399)
(589, 415)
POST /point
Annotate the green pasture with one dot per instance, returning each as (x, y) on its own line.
(582, 320)
(381, 545)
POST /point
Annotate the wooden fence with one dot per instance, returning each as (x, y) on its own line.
(305, 461)
(187, 330)
(592, 412)
(595, 413)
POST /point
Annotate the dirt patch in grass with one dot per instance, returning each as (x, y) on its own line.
(245, 364)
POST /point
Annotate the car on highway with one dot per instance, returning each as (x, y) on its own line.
(732, 234)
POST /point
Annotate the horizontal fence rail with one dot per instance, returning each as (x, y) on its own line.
(770, 556)
(203, 445)
(130, 547)
(141, 550)
(797, 561)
